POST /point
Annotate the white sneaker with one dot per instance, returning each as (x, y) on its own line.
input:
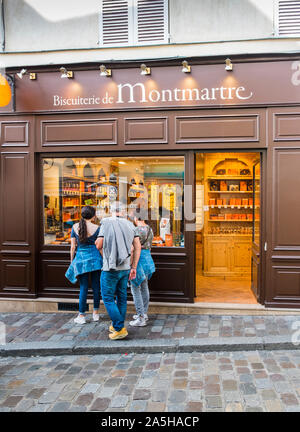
(95, 317)
(139, 322)
(80, 319)
(145, 317)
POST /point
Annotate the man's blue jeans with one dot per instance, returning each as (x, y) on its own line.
(114, 284)
(84, 287)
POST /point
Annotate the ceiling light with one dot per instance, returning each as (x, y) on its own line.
(228, 66)
(122, 163)
(32, 75)
(186, 68)
(145, 70)
(104, 71)
(21, 73)
(65, 73)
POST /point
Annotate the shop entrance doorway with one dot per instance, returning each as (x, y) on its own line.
(228, 227)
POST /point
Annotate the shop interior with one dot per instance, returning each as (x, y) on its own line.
(227, 222)
(151, 187)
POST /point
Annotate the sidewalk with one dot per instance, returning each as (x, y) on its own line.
(30, 334)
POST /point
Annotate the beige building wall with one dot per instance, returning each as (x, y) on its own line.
(60, 32)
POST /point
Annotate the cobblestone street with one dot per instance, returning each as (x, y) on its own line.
(224, 381)
(55, 327)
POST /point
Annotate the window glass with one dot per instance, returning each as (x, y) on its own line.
(151, 188)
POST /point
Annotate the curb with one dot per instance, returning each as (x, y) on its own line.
(145, 346)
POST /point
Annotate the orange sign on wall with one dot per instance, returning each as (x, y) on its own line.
(5, 92)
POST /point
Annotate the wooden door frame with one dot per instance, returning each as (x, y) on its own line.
(263, 209)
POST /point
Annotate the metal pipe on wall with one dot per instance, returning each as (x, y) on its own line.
(2, 26)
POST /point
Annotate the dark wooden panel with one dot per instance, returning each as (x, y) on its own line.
(146, 130)
(286, 281)
(286, 127)
(79, 132)
(221, 128)
(169, 281)
(14, 196)
(15, 275)
(286, 187)
(53, 278)
(14, 134)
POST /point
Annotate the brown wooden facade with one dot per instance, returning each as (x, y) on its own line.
(29, 269)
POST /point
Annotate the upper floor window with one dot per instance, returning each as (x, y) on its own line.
(133, 22)
(288, 18)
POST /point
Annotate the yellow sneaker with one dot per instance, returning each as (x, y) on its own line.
(118, 334)
(111, 329)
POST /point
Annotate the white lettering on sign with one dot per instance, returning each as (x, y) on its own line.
(139, 93)
(296, 75)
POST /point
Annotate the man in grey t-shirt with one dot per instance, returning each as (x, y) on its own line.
(115, 241)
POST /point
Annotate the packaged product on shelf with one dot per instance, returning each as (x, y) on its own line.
(243, 186)
(245, 201)
(212, 201)
(223, 185)
(238, 201)
(232, 201)
(250, 201)
(219, 201)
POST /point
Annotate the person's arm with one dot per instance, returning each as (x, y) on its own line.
(99, 241)
(99, 244)
(136, 257)
(73, 247)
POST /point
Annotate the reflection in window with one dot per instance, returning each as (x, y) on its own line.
(152, 189)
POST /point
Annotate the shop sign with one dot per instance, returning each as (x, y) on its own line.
(257, 83)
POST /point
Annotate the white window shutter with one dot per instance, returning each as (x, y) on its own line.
(288, 18)
(115, 23)
(151, 22)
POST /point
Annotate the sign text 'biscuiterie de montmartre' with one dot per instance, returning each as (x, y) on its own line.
(255, 83)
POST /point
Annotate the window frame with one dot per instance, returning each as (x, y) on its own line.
(133, 27)
(276, 23)
(155, 249)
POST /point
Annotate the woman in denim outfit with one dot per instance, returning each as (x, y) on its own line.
(87, 262)
(144, 271)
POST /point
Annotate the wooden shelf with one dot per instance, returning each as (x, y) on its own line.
(230, 220)
(228, 177)
(228, 206)
(225, 192)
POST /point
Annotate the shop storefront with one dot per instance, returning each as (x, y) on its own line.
(211, 157)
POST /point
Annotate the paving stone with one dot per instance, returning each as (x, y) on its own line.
(119, 402)
(84, 399)
(68, 395)
(11, 401)
(194, 407)
(177, 396)
(40, 408)
(100, 404)
(77, 408)
(195, 395)
(156, 407)
(289, 399)
(138, 406)
(123, 390)
(24, 405)
(175, 407)
(90, 388)
(159, 396)
(213, 402)
(142, 394)
(61, 407)
(36, 393)
(234, 407)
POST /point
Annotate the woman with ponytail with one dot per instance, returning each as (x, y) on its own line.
(87, 261)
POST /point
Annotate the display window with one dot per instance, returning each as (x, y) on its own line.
(151, 188)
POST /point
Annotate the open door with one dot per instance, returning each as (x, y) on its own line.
(256, 236)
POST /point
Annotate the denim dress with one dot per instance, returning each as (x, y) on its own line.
(146, 266)
(87, 258)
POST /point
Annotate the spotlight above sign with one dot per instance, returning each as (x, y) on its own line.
(104, 71)
(65, 73)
